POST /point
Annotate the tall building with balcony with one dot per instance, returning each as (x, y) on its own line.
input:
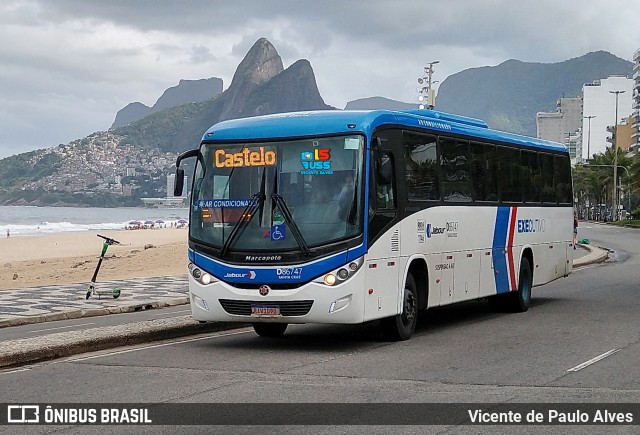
(635, 118)
(600, 104)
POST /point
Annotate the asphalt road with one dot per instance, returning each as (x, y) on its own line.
(579, 342)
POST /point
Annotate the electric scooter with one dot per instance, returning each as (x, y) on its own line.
(116, 291)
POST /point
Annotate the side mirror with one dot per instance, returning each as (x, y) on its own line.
(179, 186)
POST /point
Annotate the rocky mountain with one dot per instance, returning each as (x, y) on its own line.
(375, 103)
(186, 91)
(509, 95)
(119, 166)
(260, 86)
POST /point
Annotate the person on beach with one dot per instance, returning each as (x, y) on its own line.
(8, 233)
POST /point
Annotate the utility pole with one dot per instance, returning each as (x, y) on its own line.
(430, 98)
(589, 137)
(614, 212)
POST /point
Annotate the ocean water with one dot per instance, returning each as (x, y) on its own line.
(23, 221)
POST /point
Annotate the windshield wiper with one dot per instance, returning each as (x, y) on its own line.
(286, 213)
(256, 200)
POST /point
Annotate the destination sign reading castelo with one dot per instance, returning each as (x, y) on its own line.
(246, 157)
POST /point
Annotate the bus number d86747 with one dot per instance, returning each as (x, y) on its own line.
(289, 271)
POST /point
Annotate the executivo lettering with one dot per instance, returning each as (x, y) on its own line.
(531, 225)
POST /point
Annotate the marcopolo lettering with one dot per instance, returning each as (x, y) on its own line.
(263, 258)
(531, 225)
(246, 157)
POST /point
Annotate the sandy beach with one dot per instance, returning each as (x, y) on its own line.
(66, 258)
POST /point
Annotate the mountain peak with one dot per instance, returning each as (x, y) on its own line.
(260, 65)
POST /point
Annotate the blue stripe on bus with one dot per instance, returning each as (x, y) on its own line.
(268, 274)
(498, 250)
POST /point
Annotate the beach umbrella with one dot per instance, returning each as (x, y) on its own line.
(134, 223)
(148, 222)
(159, 221)
(183, 221)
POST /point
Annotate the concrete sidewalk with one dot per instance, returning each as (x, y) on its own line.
(52, 303)
(60, 302)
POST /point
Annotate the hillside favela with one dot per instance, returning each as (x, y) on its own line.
(132, 163)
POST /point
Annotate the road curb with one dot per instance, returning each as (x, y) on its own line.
(595, 255)
(52, 346)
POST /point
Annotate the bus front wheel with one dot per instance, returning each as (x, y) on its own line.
(401, 326)
(270, 329)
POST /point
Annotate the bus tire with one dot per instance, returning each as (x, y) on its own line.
(520, 299)
(270, 329)
(401, 326)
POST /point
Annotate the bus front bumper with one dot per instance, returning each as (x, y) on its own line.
(309, 303)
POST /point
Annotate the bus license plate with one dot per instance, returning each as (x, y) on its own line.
(265, 311)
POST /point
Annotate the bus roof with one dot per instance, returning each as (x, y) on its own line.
(325, 122)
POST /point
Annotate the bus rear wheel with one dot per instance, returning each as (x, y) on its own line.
(520, 300)
(401, 326)
(270, 329)
(517, 301)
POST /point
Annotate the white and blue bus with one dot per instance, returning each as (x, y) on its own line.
(350, 216)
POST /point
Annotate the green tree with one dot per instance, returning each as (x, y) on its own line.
(593, 183)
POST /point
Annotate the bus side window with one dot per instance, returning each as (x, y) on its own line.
(385, 197)
(421, 167)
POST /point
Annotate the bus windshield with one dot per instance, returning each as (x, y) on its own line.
(278, 196)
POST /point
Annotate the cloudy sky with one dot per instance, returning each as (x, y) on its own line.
(67, 66)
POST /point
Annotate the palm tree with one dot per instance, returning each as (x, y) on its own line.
(593, 183)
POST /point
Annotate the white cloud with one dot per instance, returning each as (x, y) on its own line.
(67, 66)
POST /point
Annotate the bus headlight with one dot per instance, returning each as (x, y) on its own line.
(341, 274)
(199, 275)
(329, 279)
(205, 278)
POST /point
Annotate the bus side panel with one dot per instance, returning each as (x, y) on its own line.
(471, 252)
(383, 274)
(548, 230)
(569, 257)
(454, 240)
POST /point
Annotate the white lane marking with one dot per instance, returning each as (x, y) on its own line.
(171, 313)
(60, 327)
(581, 268)
(152, 346)
(15, 371)
(593, 360)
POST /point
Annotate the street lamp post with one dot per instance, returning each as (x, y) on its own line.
(430, 98)
(614, 215)
(589, 137)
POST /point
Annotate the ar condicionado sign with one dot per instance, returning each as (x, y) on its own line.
(246, 157)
